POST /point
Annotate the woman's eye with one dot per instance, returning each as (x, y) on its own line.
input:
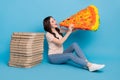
(52, 21)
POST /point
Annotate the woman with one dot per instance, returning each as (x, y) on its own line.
(56, 54)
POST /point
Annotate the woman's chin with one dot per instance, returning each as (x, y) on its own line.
(56, 26)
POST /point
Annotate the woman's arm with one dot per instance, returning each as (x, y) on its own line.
(63, 30)
(61, 41)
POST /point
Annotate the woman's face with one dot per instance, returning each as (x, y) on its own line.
(53, 23)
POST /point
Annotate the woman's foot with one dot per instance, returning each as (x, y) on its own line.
(94, 67)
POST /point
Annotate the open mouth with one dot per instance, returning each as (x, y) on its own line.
(56, 24)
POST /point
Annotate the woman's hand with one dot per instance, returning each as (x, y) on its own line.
(74, 30)
(70, 28)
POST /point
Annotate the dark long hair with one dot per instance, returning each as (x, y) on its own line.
(47, 26)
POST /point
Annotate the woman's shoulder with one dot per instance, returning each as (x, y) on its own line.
(48, 34)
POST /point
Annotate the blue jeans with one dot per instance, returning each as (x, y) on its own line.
(68, 55)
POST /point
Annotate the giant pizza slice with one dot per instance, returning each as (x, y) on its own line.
(85, 19)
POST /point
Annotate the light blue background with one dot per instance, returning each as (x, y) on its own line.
(102, 46)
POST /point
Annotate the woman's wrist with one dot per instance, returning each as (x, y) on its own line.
(69, 31)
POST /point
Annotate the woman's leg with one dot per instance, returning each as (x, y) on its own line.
(76, 48)
(64, 58)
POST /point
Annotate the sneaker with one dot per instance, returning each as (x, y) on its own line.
(95, 67)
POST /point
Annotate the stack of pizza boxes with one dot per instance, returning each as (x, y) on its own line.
(26, 49)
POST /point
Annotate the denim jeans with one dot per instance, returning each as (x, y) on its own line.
(68, 55)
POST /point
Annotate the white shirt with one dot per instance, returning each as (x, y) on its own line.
(53, 47)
